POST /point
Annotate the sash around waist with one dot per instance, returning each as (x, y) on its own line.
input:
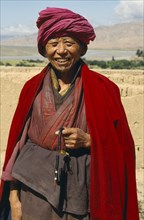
(72, 152)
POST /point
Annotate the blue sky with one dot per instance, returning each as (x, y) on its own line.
(19, 17)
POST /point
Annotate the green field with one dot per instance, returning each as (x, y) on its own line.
(26, 63)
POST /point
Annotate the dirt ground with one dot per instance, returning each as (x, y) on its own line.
(131, 84)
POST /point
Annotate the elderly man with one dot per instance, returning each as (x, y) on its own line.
(70, 153)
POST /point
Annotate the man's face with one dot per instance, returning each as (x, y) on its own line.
(63, 53)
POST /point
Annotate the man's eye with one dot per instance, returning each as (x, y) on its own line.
(69, 44)
(54, 44)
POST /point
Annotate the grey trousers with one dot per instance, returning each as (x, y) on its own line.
(36, 207)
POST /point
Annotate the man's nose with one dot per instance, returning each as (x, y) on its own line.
(61, 48)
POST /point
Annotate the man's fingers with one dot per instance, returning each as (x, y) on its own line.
(67, 131)
(70, 141)
(57, 132)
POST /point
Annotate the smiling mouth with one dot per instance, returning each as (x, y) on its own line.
(62, 60)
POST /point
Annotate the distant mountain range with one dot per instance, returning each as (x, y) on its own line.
(125, 36)
(120, 36)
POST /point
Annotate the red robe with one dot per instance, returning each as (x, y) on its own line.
(113, 193)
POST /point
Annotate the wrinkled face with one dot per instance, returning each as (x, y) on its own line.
(63, 53)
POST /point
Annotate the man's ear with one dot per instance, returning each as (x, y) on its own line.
(83, 49)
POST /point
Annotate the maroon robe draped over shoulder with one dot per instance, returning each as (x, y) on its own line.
(113, 193)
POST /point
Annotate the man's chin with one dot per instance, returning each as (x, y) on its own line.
(63, 69)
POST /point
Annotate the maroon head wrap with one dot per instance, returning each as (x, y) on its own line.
(59, 21)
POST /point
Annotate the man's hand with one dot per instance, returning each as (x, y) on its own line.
(16, 210)
(75, 138)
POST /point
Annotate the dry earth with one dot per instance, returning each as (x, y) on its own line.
(131, 84)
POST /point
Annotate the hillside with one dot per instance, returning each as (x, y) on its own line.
(125, 36)
(120, 36)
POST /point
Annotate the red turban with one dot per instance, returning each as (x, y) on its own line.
(54, 21)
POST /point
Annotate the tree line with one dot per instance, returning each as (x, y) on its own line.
(116, 64)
